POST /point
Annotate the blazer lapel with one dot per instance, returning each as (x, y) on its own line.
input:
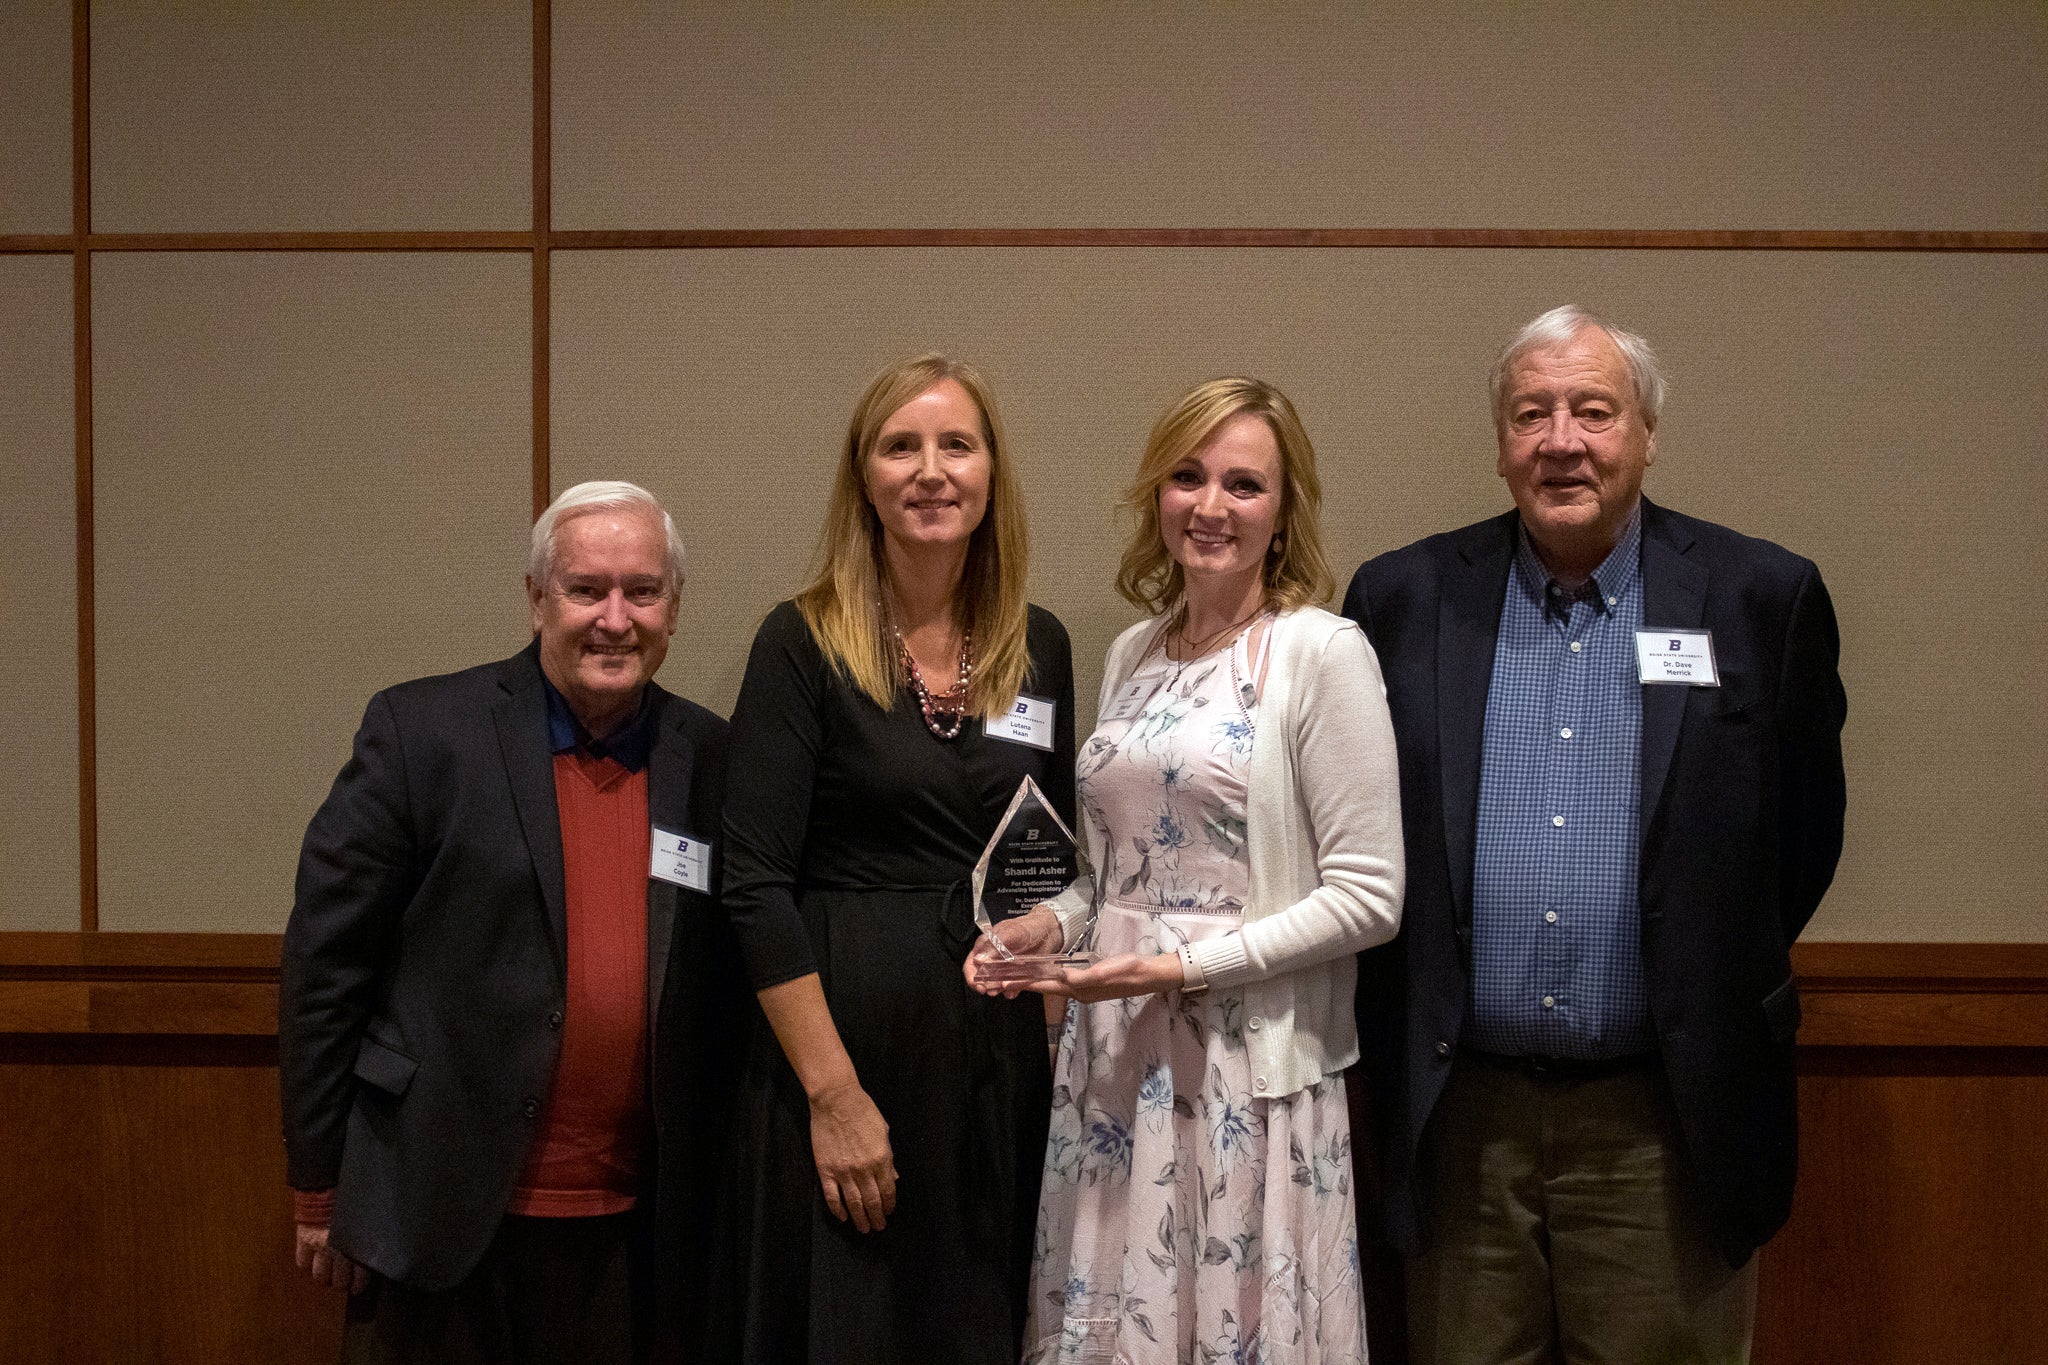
(668, 805)
(521, 718)
(1468, 624)
(1674, 594)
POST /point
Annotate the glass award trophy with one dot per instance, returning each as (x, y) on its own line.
(1031, 858)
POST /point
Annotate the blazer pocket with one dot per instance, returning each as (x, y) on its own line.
(1736, 705)
(1781, 1013)
(384, 1067)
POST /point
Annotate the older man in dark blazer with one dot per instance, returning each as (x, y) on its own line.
(1622, 792)
(508, 997)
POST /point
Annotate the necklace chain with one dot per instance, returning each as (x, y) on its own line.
(945, 713)
(1196, 649)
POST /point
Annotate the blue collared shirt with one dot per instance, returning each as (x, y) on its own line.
(1557, 964)
(631, 744)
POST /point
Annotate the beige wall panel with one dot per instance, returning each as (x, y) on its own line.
(1208, 114)
(311, 480)
(323, 115)
(1881, 413)
(35, 116)
(38, 608)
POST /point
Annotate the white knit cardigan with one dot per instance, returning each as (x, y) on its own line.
(1323, 826)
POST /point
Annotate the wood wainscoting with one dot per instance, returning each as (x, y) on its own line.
(143, 1215)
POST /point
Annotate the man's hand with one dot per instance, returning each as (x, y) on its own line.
(325, 1265)
(850, 1143)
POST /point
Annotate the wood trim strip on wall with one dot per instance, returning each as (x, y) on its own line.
(1859, 995)
(543, 209)
(1574, 239)
(310, 241)
(82, 483)
(1982, 995)
(709, 239)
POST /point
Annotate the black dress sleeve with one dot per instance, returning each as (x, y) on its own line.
(777, 733)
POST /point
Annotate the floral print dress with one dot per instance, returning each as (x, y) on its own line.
(1181, 1219)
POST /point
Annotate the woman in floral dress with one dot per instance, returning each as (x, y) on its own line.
(1240, 817)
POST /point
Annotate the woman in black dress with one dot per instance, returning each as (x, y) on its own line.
(893, 1121)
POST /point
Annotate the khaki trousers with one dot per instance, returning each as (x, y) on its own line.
(1566, 1229)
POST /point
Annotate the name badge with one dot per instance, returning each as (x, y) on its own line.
(1130, 701)
(680, 860)
(1677, 656)
(1029, 721)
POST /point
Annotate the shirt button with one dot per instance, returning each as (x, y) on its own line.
(1258, 1082)
(1252, 1023)
(1575, 646)
(1443, 1049)
(1613, 601)
(1550, 916)
(1557, 820)
(531, 1109)
(1565, 733)
(1549, 1000)
(555, 1019)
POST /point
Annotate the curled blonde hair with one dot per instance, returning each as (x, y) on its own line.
(1296, 572)
(843, 604)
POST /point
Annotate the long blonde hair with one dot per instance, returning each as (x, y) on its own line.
(843, 604)
(1296, 572)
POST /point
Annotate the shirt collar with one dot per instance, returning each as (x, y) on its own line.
(630, 745)
(1609, 583)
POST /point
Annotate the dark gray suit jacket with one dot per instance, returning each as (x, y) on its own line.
(424, 972)
(1742, 798)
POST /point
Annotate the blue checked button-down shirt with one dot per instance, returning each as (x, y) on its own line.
(1557, 966)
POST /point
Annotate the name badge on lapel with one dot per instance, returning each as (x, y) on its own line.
(680, 860)
(1677, 656)
(1028, 721)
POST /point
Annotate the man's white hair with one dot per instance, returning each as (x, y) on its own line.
(600, 495)
(1557, 328)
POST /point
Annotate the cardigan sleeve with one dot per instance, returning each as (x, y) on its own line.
(1341, 746)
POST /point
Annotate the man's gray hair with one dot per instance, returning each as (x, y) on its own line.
(600, 495)
(1557, 328)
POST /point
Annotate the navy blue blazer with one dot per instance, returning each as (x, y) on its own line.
(1742, 799)
(424, 972)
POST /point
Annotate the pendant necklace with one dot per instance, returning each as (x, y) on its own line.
(1193, 649)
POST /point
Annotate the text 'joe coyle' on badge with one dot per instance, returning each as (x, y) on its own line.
(1677, 656)
(680, 860)
(1028, 721)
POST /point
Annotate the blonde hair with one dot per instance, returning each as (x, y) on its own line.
(1296, 572)
(843, 604)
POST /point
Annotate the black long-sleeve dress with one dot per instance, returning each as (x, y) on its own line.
(850, 834)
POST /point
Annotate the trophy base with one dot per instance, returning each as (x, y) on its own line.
(1028, 967)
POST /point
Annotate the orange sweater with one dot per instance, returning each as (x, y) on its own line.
(586, 1158)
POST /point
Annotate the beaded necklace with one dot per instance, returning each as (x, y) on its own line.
(951, 705)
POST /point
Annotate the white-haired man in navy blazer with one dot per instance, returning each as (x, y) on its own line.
(1619, 732)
